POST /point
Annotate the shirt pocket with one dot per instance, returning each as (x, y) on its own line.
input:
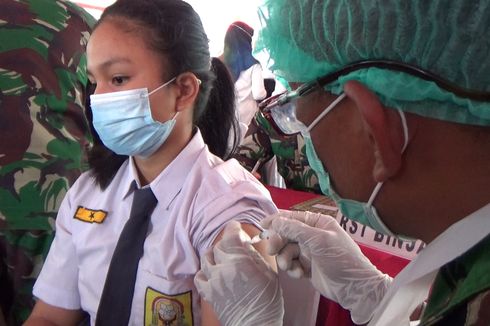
(158, 301)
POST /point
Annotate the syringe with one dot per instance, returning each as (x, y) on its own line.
(264, 235)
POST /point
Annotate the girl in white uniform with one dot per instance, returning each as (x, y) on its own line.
(150, 62)
(246, 72)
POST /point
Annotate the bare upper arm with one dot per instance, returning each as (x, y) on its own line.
(45, 314)
(252, 230)
(260, 246)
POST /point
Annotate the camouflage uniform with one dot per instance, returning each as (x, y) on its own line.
(460, 294)
(262, 142)
(43, 132)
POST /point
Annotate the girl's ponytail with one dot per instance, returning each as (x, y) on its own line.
(219, 123)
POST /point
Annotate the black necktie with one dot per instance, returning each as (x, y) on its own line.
(117, 296)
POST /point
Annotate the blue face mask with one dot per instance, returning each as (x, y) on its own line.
(124, 123)
(364, 213)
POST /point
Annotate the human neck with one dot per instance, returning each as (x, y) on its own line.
(445, 177)
(150, 168)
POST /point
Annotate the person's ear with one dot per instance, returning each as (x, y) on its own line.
(384, 128)
(188, 89)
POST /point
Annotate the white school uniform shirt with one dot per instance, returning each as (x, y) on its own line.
(197, 194)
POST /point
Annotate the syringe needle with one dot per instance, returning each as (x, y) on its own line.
(261, 236)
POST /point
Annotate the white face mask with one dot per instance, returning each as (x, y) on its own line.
(124, 122)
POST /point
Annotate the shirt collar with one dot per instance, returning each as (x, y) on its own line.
(130, 180)
(168, 184)
(412, 284)
(453, 242)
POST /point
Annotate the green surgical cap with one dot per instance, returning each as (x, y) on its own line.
(307, 39)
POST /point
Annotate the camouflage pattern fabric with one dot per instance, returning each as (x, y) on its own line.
(262, 142)
(460, 294)
(43, 133)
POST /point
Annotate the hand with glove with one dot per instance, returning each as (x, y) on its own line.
(242, 288)
(315, 246)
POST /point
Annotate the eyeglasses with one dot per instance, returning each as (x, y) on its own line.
(281, 109)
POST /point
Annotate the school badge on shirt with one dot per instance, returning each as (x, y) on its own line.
(90, 215)
(168, 310)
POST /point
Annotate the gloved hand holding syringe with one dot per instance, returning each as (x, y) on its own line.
(305, 244)
(234, 269)
(315, 246)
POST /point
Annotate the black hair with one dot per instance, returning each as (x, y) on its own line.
(223, 98)
(173, 29)
(237, 53)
